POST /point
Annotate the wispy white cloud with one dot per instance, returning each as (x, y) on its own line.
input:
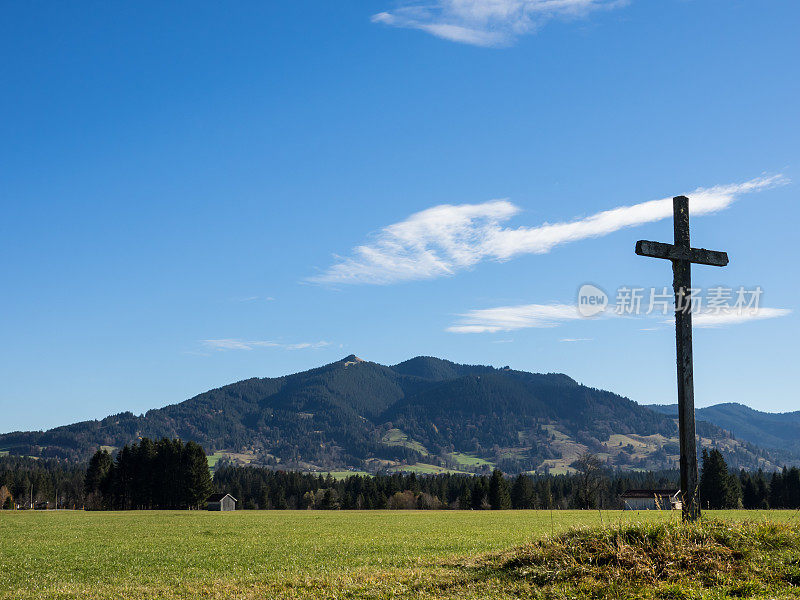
(731, 316)
(304, 345)
(235, 344)
(537, 316)
(577, 339)
(230, 344)
(487, 22)
(254, 298)
(509, 318)
(445, 239)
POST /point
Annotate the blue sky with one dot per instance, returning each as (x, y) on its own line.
(185, 189)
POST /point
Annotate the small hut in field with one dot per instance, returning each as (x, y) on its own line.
(221, 502)
(651, 499)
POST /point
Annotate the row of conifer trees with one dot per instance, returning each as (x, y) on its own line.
(257, 488)
(164, 474)
(720, 488)
(172, 474)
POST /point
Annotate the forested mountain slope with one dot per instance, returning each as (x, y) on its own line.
(770, 430)
(425, 414)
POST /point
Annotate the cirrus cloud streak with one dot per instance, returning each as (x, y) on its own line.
(538, 316)
(728, 316)
(510, 318)
(487, 22)
(222, 345)
(445, 239)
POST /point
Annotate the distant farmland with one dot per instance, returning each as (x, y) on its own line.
(272, 554)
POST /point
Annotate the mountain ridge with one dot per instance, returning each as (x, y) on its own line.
(426, 414)
(765, 429)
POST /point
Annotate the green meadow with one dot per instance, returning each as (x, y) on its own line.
(310, 554)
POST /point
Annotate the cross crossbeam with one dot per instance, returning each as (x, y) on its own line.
(699, 256)
(682, 256)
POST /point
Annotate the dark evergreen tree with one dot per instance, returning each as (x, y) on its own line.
(763, 490)
(165, 474)
(718, 489)
(96, 480)
(465, 497)
(499, 496)
(279, 500)
(523, 494)
(777, 491)
(750, 497)
(197, 479)
(792, 487)
(480, 491)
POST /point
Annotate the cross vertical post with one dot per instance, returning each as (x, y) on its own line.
(682, 256)
(682, 284)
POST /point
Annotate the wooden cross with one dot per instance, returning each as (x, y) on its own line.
(682, 256)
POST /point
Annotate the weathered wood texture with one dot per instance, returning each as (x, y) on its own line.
(682, 256)
(699, 256)
(682, 284)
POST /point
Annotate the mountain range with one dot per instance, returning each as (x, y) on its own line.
(769, 430)
(426, 415)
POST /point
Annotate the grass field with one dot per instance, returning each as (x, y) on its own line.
(236, 457)
(395, 437)
(276, 554)
(468, 460)
(213, 459)
(426, 469)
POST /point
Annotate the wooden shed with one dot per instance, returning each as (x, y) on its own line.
(651, 499)
(221, 502)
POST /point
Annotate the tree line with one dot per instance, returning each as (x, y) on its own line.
(166, 474)
(257, 488)
(45, 483)
(752, 490)
(170, 474)
(590, 487)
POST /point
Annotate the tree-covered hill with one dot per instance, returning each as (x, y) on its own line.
(769, 430)
(425, 415)
(436, 369)
(475, 412)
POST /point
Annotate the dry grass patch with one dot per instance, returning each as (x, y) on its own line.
(666, 560)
